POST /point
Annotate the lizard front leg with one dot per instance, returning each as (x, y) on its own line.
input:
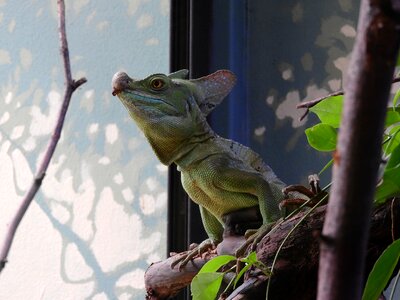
(214, 231)
(247, 186)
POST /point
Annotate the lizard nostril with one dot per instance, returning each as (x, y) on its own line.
(120, 82)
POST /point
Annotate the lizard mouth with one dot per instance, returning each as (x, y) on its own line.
(141, 97)
(115, 92)
(121, 87)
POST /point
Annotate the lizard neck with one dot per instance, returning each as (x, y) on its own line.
(173, 141)
(197, 151)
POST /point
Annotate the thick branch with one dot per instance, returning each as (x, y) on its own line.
(297, 263)
(163, 282)
(70, 87)
(345, 232)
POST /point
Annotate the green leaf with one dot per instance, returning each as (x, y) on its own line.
(214, 264)
(322, 137)
(382, 271)
(329, 111)
(242, 271)
(394, 159)
(389, 187)
(205, 286)
(396, 98)
(392, 117)
(394, 140)
(390, 183)
(251, 258)
(326, 167)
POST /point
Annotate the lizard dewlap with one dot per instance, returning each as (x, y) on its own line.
(220, 175)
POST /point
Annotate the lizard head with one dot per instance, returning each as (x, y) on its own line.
(171, 110)
(152, 97)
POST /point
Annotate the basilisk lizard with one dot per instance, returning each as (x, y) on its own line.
(220, 175)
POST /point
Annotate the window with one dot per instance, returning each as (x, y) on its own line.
(282, 53)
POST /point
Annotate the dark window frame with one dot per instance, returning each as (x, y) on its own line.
(189, 49)
(205, 36)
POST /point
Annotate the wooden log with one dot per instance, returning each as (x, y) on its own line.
(163, 282)
(296, 269)
(295, 273)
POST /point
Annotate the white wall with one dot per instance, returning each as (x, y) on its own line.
(100, 216)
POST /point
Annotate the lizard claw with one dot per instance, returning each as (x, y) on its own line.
(254, 238)
(302, 195)
(196, 251)
(184, 259)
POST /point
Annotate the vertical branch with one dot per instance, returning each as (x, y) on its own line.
(63, 42)
(345, 231)
(70, 86)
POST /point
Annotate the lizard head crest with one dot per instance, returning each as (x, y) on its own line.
(214, 88)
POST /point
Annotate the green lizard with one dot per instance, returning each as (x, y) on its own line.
(218, 174)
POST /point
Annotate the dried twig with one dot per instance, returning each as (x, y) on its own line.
(311, 103)
(308, 104)
(70, 86)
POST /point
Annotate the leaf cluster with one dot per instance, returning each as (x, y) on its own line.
(206, 285)
(323, 137)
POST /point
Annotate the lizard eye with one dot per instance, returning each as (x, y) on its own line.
(157, 84)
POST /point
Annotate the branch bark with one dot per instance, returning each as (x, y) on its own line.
(163, 282)
(345, 232)
(70, 86)
(296, 266)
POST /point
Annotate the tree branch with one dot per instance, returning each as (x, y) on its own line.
(311, 103)
(70, 86)
(345, 232)
(297, 263)
(308, 104)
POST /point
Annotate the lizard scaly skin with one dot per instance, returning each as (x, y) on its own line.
(218, 174)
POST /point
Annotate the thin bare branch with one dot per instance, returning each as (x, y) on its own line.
(311, 103)
(70, 86)
(308, 104)
(314, 102)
